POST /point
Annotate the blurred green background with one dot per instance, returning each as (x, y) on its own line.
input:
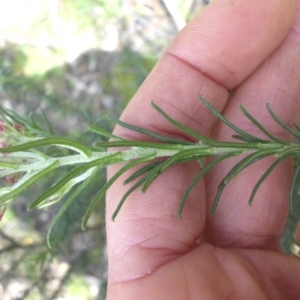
(79, 61)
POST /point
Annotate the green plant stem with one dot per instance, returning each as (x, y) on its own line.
(24, 161)
(137, 152)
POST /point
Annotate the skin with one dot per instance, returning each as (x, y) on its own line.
(252, 49)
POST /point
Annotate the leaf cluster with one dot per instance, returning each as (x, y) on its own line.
(29, 157)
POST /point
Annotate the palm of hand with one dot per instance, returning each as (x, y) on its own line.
(235, 255)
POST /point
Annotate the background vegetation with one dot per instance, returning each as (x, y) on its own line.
(79, 61)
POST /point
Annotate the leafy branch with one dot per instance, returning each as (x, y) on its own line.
(26, 158)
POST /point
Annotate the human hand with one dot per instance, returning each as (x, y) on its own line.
(250, 48)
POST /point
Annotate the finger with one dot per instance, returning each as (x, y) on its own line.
(214, 53)
(277, 82)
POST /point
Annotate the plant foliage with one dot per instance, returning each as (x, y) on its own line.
(26, 158)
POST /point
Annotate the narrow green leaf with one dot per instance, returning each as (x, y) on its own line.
(198, 158)
(46, 120)
(242, 138)
(182, 127)
(295, 183)
(259, 125)
(292, 150)
(23, 122)
(141, 171)
(109, 183)
(68, 203)
(64, 190)
(266, 174)
(184, 155)
(140, 144)
(7, 165)
(282, 124)
(34, 124)
(229, 124)
(247, 146)
(75, 172)
(187, 155)
(247, 161)
(297, 126)
(15, 117)
(104, 133)
(49, 141)
(199, 176)
(30, 181)
(151, 134)
(149, 167)
(125, 196)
